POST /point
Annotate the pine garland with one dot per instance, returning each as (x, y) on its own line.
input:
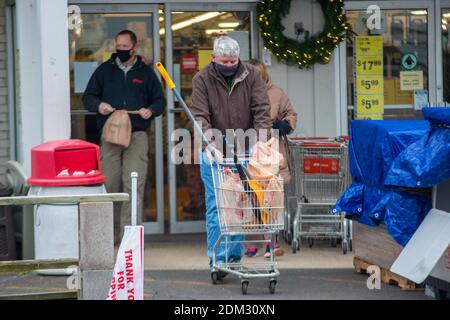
(313, 49)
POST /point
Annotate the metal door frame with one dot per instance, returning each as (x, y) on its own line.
(434, 75)
(11, 47)
(156, 227)
(440, 5)
(193, 226)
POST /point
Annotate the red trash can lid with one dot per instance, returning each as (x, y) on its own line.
(65, 163)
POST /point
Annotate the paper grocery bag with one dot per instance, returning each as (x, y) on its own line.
(117, 129)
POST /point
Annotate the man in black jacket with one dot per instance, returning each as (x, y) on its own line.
(125, 82)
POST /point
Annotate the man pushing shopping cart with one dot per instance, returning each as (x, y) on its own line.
(228, 94)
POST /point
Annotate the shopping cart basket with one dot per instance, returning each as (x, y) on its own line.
(292, 189)
(321, 177)
(254, 210)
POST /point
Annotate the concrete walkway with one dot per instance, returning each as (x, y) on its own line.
(304, 284)
(177, 268)
(188, 252)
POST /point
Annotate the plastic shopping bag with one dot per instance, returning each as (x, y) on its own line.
(267, 160)
(233, 202)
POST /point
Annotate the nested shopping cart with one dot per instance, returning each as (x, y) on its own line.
(292, 190)
(322, 175)
(246, 208)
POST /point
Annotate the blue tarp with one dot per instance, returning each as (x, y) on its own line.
(388, 156)
(402, 212)
(437, 115)
(374, 145)
(425, 162)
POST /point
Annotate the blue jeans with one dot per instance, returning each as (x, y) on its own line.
(234, 252)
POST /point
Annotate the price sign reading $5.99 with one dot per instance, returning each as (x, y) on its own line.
(370, 104)
(369, 84)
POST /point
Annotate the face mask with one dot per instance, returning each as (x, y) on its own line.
(124, 55)
(227, 71)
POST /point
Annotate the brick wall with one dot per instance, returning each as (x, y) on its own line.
(4, 135)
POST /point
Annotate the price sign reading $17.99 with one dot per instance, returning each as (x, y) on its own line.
(368, 76)
(369, 65)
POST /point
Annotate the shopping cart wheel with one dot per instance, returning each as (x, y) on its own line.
(244, 286)
(289, 237)
(295, 246)
(344, 247)
(272, 286)
(214, 277)
(334, 242)
(310, 242)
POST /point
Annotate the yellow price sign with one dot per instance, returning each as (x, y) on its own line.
(369, 104)
(369, 45)
(369, 84)
(369, 65)
(369, 117)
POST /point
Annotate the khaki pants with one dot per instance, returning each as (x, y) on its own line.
(117, 165)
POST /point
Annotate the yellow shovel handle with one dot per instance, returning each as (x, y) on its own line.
(165, 75)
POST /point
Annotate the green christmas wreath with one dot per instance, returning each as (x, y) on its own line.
(313, 49)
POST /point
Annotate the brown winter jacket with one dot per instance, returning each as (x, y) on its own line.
(282, 109)
(244, 106)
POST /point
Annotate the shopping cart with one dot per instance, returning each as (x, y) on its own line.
(322, 175)
(246, 208)
(293, 189)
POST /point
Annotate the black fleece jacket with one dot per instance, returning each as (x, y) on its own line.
(140, 88)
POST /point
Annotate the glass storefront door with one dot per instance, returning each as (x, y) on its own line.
(93, 44)
(445, 39)
(407, 30)
(188, 46)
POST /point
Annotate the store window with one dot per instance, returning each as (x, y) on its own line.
(89, 47)
(405, 41)
(193, 38)
(446, 53)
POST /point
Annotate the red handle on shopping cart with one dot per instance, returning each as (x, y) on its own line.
(321, 144)
(311, 139)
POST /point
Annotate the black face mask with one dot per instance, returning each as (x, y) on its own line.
(227, 71)
(124, 55)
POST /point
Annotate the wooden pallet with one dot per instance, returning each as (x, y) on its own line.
(387, 276)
